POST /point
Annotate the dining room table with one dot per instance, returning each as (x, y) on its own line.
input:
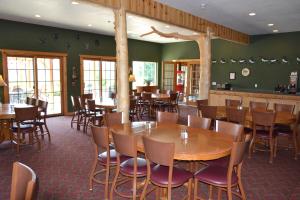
(7, 114)
(108, 104)
(191, 144)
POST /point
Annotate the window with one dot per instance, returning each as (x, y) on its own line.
(145, 73)
(99, 75)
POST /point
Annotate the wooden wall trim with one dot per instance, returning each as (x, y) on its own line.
(158, 11)
(10, 52)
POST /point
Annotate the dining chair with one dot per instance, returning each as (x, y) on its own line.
(19, 128)
(209, 112)
(266, 120)
(232, 102)
(225, 178)
(134, 111)
(114, 118)
(131, 169)
(146, 103)
(238, 115)
(78, 112)
(160, 169)
(167, 117)
(198, 122)
(31, 101)
(24, 183)
(92, 115)
(172, 104)
(258, 106)
(41, 122)
(201, 102)
(278, 107)
(290, 132)
(104, 156)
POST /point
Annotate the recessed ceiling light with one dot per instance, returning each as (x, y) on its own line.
(270, 25)
(167, 26)
(90, 25)
(203, 5)
(37, 15)
(75, 3)
(252, 14)
(275, 31)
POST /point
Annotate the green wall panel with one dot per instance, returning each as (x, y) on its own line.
(22, 36)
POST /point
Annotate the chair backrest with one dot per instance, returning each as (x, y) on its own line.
(232, 102)
(125, 144)
(201, 102)
(238, 151)
(174, 97)
(209, 111)
(91, 105)
(159, 152)
(113, 95)
(263, 118)
(167, 117)
(259, 106)
(24, 183)
(75, 103)
(236, 115)
(146, 96)
(232, 129)
(43, 105)
(198, 122)
(100, 136)
(132, 104)
(113, 118)
(83, 100)
(26, 113)
(278, 107)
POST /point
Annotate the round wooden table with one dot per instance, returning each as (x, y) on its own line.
(200, 145)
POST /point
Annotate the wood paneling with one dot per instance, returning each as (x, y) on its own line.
(155, 10)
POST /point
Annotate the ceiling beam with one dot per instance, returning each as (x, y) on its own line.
(158, 11)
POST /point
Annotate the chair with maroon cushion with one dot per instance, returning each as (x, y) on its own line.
(238, 115)
(232, 102)
(201, 102)
(113, 118)
(104, 156)
(160, 170)
(93, 115)
(227, 128)
(132, 169)
(24, 183)
(198, 122)
(266, 120)
(291, 132)
(258, 106)
(225, 177)
(167, 117)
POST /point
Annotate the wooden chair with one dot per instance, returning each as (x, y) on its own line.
(114, 118)
(146, 103)
(131, 169)
(160, 170)
(20, 129)
(201, 102)
(278, 107)
(232, 103)
(225, 178)
(24, 183)
(104, 156)
(31, 101)
(266, 120)
(41, 122)
(78, 112)
(237, 115)
(173, 103)
(198, 122)
(209, 112)
(258, 106)
(93, 115)
(134, 110)
(167, 117)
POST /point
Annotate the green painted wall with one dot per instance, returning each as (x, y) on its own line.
(274, 46)
(22, 36)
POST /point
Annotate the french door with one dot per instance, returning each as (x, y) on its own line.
(34, 76)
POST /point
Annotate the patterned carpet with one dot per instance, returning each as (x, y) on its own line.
(63, 167)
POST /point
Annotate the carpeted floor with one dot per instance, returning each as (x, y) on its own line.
(63, 167)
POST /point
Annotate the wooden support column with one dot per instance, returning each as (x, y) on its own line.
(122, 62)
(204, 44)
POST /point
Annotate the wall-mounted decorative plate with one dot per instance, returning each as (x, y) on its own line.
(245, 71)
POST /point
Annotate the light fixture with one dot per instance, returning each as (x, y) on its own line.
(270, 25)
(275, 31)
(75, 3)
(252, 14)
(131, 78)
(203, 5)
(37, 15)
(90, 25)
(167, 26)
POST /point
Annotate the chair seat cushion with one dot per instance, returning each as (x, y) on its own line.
(14, 128)
(216, 175)
(113, 157)
(160, 173)
(127, 167)
(223, 162)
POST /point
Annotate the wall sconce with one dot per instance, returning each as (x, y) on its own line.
(131, 78)
(74, 76)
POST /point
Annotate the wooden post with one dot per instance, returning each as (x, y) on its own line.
(122, 62)
(204, 44)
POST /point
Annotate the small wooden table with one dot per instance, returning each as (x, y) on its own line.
(7, 114)
(160, 96)
(201, 144)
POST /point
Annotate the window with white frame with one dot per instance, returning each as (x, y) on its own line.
(145, 73)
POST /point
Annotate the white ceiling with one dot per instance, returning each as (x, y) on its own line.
(284, 14)
(63, 14)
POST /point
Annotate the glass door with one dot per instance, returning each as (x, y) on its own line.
(169, 76)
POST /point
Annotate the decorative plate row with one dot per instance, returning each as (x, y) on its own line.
(283, 60)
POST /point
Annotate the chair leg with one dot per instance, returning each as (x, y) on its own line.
(275, 146)
(229, 193)
(219, 194)
(113, 186)
(241, 188)
(210, 192)
(42, 131)
(143, 195)
(48, 133)
(134, 187)
(106, 182)
(251, 147)
(38, 140)
(271, 150)
(92, 173)
(195, 189)
(190, 183)
(157, 193)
